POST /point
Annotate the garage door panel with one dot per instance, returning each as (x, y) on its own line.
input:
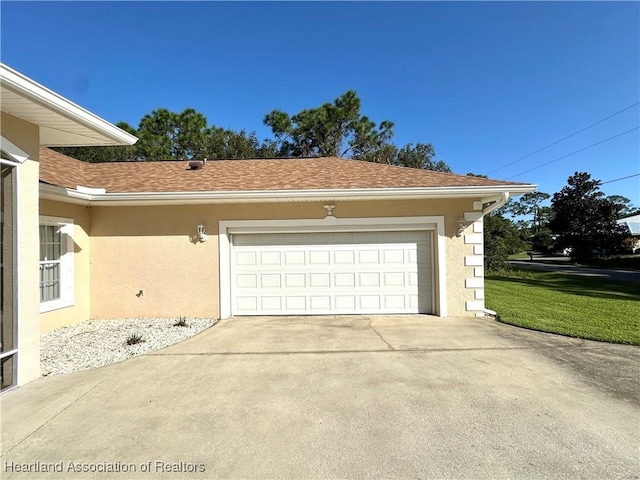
(345, 257)
(247, 304)
(345, 302)
(246, 258)
(270, 258)
(295, 259)
(395, 279)
(318, 257)
(413, 303)
(395, 301)
(369, 302)
(295, 303)
(246, 280)
(294, 280)
(270, 304)
(369, 257)
(270, 280)
(344, 279)
(369, 279)
(324, 273)
(320, 303)
(393, 256)
(319, 280)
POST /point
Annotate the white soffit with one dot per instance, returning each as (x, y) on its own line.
(61, 122)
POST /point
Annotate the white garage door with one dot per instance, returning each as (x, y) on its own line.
(332, 273)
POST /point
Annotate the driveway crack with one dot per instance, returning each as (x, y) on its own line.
(380, 336)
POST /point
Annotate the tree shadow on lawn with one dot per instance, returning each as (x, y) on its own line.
(575, 285)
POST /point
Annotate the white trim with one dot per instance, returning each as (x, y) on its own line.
(473, 260)
(67, 270)
(501, 200)
(473, 238)
(264, 196)
(40, 95)
(474, 305)
(16, 279)
(9, 354)
(4, 161)
(10, 149)
(472, 216)
(331, 224)
(474, 283)
(90, 190)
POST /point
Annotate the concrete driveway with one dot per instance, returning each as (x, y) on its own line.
(338, 397)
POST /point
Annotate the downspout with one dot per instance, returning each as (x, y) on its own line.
(504, 198)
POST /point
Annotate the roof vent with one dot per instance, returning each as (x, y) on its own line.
(195, 165)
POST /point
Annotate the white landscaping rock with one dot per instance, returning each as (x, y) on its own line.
(96, 343)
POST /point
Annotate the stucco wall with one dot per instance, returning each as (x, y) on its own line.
(26, 136)
(153, 249)
(80, 311)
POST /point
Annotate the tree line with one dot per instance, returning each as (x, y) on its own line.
(580, 222)
(580, 219)
(333, 129)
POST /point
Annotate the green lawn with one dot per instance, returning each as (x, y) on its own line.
(584, 307)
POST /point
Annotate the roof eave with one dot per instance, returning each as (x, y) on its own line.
(102, 132)
(80, 196)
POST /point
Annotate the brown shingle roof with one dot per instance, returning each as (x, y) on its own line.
(61, 170)
(243, 175)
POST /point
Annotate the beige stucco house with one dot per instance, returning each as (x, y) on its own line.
(240, 237)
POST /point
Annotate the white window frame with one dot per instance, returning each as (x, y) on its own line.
(67, 279)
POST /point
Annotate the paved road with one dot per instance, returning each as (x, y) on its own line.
(613, 274)
(339, 397)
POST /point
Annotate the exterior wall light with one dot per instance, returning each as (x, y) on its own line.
(329, 209)
(462, 224)
(202, 235)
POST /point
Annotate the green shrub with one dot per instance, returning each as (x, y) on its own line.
(181, 323)
(134, 338)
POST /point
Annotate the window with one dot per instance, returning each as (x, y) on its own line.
(56, 263)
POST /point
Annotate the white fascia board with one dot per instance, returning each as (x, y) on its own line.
(26, 87)
(273, 196)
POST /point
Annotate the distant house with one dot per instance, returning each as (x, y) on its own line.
(633, 226)
(219, 238)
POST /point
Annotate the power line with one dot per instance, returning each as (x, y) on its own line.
(564, 138)
(621, 178)
(573, 153)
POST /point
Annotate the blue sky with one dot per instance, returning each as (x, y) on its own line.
(486, 82)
